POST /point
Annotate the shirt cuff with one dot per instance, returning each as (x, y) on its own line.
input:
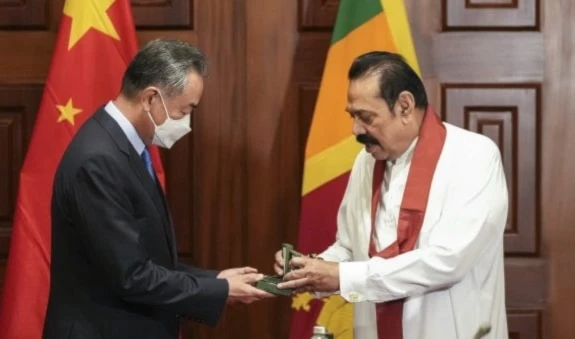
(353, 280)
(323, 295)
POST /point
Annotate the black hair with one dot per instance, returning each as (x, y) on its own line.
(395, 76)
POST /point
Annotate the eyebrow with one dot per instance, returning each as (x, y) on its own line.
(359, 111)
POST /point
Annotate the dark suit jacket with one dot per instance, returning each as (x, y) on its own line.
(114, 270)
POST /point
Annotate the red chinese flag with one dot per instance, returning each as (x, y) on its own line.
(95, 43)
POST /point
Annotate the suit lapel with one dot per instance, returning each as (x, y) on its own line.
(138, 166)
(155, 194)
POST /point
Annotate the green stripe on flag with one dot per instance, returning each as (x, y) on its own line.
(352, 14)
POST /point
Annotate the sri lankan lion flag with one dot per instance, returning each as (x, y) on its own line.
(361, 26)
(96, 40)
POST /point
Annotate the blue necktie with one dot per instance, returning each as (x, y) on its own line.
(148, 162)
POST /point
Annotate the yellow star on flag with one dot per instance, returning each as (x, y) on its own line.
(88, 14)
(301, 301)
(68, 112)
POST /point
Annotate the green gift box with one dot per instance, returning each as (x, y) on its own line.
(269, 283)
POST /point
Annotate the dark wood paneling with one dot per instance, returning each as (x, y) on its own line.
(272, 158)
(18, 105)
(219, 185)
(524, 324)
(494, 57)
(32, 50)
(163, 14)
(23, 14)
(309, 57)
(491, 15)
(2, 273)
(500, 125)
(178, 169)
(306, 98)
(491, 4)
(317, 14)
(557, 164)
(510, 115)
(10, 159)
(526, 283)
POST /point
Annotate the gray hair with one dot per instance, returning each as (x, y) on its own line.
(164, 63)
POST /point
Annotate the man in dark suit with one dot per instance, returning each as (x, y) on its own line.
(114, 266)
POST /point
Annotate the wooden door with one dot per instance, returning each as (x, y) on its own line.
(483, 65)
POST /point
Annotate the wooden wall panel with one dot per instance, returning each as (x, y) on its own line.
(219, 184)
(488, 57)
(317, 14)
(178, 168)
(557, 164)
(18, 105)
(10, 159)
(525, 325)
(509, 115)
(526, 283)
(163, 14)
(491, 4)
(23, 14)
(272, 150)
(491, 15)
(32, 51)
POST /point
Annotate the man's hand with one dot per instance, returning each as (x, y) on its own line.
(231, 272)
(279, 264)
(241, 289)
(312, 275)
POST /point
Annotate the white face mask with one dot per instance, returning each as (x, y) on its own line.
(171, 130)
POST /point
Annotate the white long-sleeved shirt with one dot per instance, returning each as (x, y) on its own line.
(453, 281)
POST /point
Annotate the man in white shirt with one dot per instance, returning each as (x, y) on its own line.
(419, 248)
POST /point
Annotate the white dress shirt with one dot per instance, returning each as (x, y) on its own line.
(394, 180)
(453, 281)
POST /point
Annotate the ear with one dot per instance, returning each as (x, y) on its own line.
(405, 105)
(146, 97)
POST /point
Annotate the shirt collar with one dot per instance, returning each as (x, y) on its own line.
(126, 127)
(406, 157)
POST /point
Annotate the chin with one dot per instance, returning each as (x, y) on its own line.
(377, 152)
(380, 156)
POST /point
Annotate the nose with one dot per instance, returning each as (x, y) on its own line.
(357, 128)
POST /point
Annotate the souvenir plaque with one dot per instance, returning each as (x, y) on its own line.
(269, 282)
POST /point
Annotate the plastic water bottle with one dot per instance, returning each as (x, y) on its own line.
(320, 332)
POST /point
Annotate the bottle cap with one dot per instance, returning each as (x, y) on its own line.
(319, 330)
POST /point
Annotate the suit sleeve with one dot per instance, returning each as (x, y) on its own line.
(471, 224)
(197, 271)
(112, 237)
